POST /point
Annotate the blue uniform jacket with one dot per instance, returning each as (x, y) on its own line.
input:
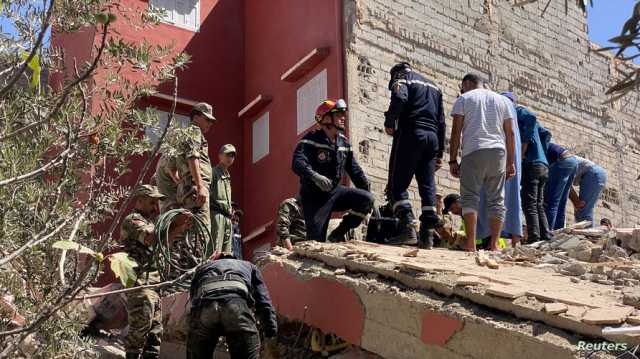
(416, 103)
(259, 296)
(316, 153)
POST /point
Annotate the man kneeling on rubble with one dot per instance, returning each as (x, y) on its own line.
(222, 290)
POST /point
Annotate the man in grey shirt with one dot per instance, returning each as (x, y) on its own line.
(482, 121)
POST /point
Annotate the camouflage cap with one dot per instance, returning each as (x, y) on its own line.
(228, 148)
(148, 191)
(205, 109)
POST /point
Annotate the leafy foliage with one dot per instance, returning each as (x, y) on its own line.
(68, 129)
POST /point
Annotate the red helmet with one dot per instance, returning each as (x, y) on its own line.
(330, 106)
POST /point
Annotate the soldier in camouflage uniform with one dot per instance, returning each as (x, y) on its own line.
(290, 225)
(194, 165)
(166, 178)
(143, 306)
(221, 208)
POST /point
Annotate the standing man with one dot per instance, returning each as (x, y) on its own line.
(535, 174)
(143, 306)
(482, 122)
(166, 178)
(222, 292)
(592, 179)
(236, 241)
(290, 225)
(415, 119)
(194, 165)
(320, 160)
(562, 171)
(221, 226)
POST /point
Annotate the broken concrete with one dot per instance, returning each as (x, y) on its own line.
(441, 311)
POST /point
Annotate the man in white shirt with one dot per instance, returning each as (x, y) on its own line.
(482, 122)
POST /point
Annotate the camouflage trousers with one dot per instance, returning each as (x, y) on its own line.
(221, 232)
(145, 324)
(203, 212)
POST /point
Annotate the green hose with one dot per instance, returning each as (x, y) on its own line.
(184, 254)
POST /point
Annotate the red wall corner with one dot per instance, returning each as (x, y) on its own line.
(331, 306)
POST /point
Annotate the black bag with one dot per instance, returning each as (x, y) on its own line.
(382, 225)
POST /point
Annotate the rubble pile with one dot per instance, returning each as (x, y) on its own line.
(600, 255)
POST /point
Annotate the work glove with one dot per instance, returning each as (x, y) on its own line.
(322, 182)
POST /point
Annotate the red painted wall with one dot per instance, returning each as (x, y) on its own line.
(278, 33)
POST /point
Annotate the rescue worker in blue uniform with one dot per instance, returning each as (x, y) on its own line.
(320, 160)
(416, 121)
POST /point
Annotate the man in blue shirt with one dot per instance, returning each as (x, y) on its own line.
(535, 173)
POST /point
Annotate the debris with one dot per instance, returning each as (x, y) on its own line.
(505, 291)
(573, 269)
(481, 259)
(614, 251)
(555, 308)
(612, 315)
(633, 320)
(582, 251)
(411, 253)
(468, 280)
(575, 280)
(340, 271)
(551, 259)
(619, 274)
(605, 282)
(631, 296)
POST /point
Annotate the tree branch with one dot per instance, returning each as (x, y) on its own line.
(36, 46)
(53, 163)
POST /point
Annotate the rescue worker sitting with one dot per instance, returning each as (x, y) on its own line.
(222, 292)
(415, 119)
(320, 160)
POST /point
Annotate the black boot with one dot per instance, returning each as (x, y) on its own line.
(339, 233)
(425, 238)
(406, 233)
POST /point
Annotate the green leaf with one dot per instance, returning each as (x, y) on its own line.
(70, 245)
(122, 266)
(34, 65)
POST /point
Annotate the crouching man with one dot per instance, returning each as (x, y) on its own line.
(222, 292)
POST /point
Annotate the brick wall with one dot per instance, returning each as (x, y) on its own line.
(546, 60)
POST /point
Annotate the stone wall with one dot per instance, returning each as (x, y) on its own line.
(546, 59)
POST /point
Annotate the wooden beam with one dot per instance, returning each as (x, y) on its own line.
(305, 65)
(257, 232)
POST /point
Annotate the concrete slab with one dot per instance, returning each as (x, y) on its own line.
(555, 308)
(505, 291)
(612, 315)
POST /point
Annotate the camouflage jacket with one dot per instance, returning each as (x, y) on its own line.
(290, 222)
(133, 234)
(193, 145)
(165, 183)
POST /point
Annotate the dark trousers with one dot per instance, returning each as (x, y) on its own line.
(534, 180)
(230, 318)
(413, 153)
(318, 206)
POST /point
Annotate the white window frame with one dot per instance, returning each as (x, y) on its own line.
(195, 28)
(260, 138)
(152, 133)
(306, 106)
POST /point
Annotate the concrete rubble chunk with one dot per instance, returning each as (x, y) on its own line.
(631, 296)
(505, 291)
(612, 315)
(619, 274)
(635, 257)
(340, 271)
(555, 308)
(635, 320)
(631, 241)
(573, 269)
(582, 251)
(411, 253)
(614, 251)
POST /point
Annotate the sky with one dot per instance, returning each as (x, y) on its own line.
(606, 19)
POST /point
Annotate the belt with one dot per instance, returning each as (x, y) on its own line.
(226, 281)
